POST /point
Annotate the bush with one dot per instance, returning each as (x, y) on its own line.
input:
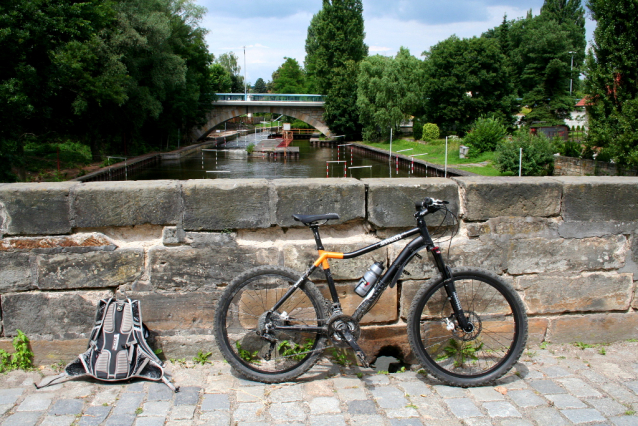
(484, 135)
(538, 158)
(417, 129)
(430, 132)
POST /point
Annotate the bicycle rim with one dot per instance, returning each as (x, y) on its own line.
(281, 351)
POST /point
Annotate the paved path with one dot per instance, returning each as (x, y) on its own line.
(558, 385)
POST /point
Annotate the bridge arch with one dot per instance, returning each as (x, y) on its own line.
(311, 114)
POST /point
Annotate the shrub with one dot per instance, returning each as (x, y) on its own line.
(430, 132)
(538, 158)
(417, 129)
(484, 135)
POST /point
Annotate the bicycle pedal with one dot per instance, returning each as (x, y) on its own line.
(362, 358)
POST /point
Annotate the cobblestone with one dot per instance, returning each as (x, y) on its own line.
(561, 386)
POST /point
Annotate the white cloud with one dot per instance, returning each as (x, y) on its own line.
(276, 29)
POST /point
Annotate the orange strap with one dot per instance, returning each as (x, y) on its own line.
(324, 256)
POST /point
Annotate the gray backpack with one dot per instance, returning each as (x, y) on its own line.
(117, 348)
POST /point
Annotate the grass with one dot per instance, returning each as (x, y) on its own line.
(436, 154)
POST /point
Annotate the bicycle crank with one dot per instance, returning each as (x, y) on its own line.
(344, 331)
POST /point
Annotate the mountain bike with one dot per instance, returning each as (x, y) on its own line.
(466, 326)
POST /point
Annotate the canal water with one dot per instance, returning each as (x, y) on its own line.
(229, 161)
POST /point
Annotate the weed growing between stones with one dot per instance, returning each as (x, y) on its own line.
(21, 359)
(295, 351)
(202, 357)
(246, 355)
(340, 356)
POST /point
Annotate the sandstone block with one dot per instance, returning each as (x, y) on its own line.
(192, 269)
(386, 309)
(98, 269)
(76, 243)
(300, 257)
(594, 328)
(226, 204)
(536, 330)
(35, 208)
(345, 197)
(391, 201)
(409, 288)
(98, 204)
(537, 255)
(15, 272)
(514, 227)
(584, 229)
(178, 313)
(56, 315)
(186, 346)
(47, 352)
(598, 198)
(487, 197)
(598, 291)
(487, 253)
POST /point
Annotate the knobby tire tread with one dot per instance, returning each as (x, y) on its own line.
(518, 310)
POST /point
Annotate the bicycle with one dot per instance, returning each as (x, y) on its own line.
(466, 326)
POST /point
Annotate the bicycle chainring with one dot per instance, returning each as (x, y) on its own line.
(341, 322)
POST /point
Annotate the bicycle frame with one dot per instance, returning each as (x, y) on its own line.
(389, 278)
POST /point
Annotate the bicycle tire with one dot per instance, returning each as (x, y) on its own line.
(245, 303)
(468, 359)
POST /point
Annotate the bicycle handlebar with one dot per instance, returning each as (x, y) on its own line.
(429, 204)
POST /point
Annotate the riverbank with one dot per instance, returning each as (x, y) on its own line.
(434, 152)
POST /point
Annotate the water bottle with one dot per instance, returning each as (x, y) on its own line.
(369, 278)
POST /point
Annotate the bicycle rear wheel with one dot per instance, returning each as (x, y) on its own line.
(473, 358)
(244, 317)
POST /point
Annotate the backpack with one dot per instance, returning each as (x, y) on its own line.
(117, 349)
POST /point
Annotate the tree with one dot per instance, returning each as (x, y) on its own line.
(464, 79)
(612, 80)
(220, 79)
(260, 86)
(230, 62)
(333, 50)
(289, 77)
(388, 92)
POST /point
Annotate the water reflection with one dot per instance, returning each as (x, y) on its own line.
(230, 161)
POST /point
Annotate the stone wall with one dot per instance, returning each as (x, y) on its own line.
(571, 166)
(569, 245)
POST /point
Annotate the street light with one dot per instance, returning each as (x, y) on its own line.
(245, 89)
(570, 72)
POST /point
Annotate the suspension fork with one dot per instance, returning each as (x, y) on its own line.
(446, 273)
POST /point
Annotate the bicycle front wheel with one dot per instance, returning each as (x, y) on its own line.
(478, 357)
(245, 321)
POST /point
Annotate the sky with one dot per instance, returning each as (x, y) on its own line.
(273, 29)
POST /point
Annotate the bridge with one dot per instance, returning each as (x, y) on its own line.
(307, 108)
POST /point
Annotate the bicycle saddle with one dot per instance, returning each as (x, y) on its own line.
(310, 218)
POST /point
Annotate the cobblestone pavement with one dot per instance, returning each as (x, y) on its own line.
(556, 385)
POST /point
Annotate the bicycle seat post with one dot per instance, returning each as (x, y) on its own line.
(315, 231)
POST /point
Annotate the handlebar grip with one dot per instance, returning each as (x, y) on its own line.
(420, 205)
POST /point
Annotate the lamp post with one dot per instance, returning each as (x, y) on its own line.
(571, 67)
(245, 89)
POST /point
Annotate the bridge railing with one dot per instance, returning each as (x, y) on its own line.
(270, 97)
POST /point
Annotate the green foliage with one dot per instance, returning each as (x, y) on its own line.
(612, 80)
(538, 158)
(289, 78)
(202, 357)
(467, 78)
(485, 134)
(295, 351)
(417, 128)
(260, 86)
(247, 355)
(334, 48)
(250, 148)
(22, 358)
(461, 353)
(116, 76)
(340, 356)
(430, 132)
(385, 92)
